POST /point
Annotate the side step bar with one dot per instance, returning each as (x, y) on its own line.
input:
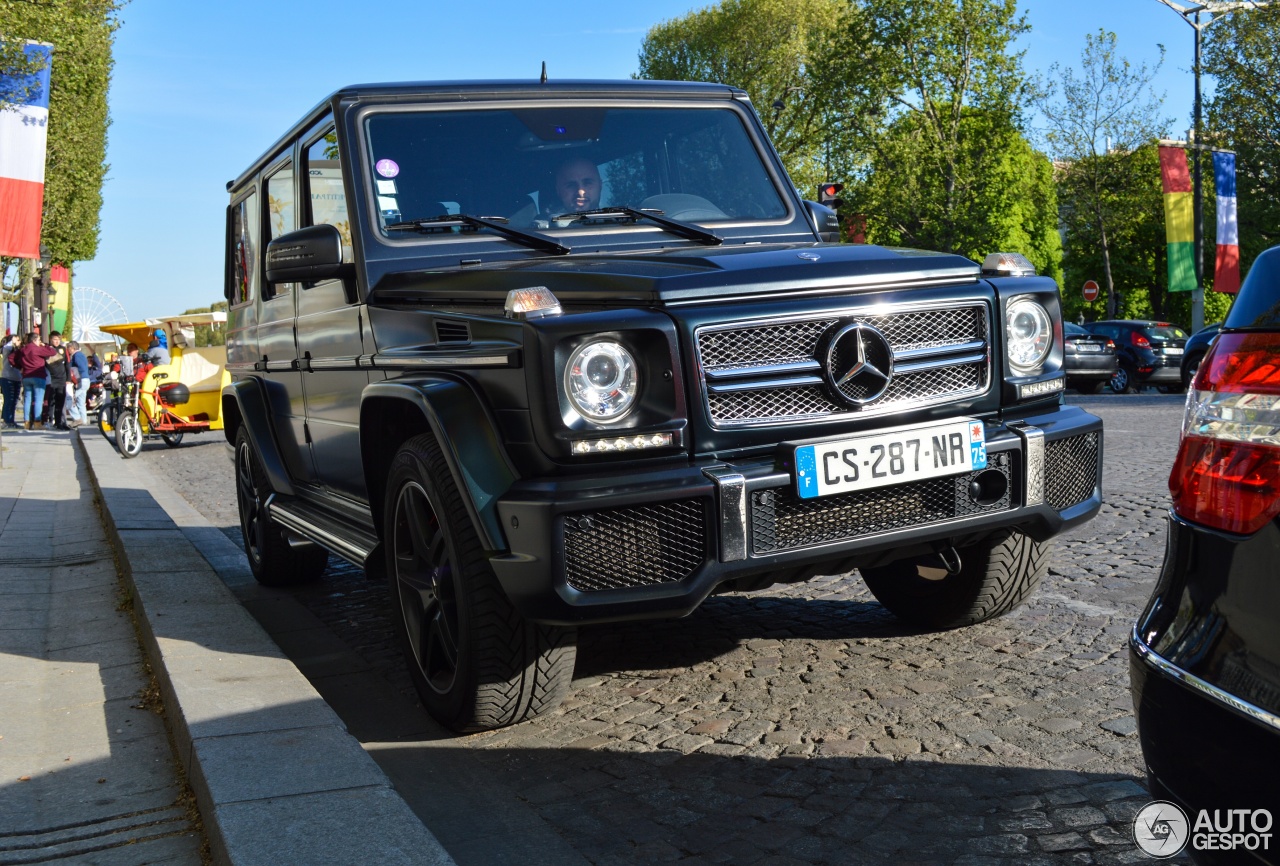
(355, 544)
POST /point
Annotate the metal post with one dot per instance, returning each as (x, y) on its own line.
(1197, 294)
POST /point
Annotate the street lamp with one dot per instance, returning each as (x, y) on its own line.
(1191, 12)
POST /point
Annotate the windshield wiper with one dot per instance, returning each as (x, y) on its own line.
(498, 224)
(676, 227)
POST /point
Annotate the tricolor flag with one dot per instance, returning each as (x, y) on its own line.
(1179, 220)
(23, 133)
(1226, 272)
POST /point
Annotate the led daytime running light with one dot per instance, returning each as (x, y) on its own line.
(622, 443)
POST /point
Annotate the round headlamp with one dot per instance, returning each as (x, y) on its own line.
(1029, 335)
(602, 381)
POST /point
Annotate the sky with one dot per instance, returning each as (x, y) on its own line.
(201, 89)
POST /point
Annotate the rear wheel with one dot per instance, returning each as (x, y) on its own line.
(477, 664)
(107, 422)
(993, 578)
(273, 558)
(129, 435)
(1190, 366)
(173, 440)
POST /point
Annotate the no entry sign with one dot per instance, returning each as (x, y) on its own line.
(1090, 290)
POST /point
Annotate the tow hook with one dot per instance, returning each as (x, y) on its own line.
(951, 559)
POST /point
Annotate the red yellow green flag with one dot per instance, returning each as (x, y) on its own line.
(1179, 219)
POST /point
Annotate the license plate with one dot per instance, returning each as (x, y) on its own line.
(1088, 347)
(891, 457)
(1173, 350)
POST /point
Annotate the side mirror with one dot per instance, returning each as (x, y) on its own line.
(305, 256)
(825, 222)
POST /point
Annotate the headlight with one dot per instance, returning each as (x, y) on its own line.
(602, 381)
(1029, 333)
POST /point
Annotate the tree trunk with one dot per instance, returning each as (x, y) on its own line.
(1106, 270)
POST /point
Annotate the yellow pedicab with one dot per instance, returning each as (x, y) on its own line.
(165, 400)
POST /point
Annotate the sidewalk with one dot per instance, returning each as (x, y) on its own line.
(87, 773)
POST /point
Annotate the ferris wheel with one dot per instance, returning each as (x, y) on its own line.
(92, 308)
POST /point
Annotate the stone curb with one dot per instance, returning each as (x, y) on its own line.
(276, 775)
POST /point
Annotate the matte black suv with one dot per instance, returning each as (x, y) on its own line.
(551, 354)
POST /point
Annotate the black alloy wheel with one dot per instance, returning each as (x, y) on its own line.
(274, 559)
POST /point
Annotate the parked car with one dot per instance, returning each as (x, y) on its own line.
(1193, 352)
(1205, 653)
(1089, 359)
(645, 380)
(1150, 353)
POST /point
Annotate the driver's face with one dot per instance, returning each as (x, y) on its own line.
(578, 185)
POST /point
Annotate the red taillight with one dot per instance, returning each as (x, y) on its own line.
(1138, 340)
(1227, 473)
(1111, 344)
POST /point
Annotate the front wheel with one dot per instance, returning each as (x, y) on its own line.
(476, 663)
(129, 435)
(273, 558)
(1087, 386)
(993, 578)
(107, 422)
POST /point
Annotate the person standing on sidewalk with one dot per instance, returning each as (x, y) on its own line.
(33, 357)
(11, 381)
(57, 382)
(77, 375)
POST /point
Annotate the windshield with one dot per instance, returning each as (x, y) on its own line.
(532, 165)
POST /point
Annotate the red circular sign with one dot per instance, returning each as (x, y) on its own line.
(1090, 290)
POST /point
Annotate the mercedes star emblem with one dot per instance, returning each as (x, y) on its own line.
(859, 363)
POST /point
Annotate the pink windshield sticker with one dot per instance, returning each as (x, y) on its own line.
(387, 168)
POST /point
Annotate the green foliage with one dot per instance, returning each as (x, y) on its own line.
(1244, 114)
(210, 335)
(17, 83)
(81, 32)
(773, 50)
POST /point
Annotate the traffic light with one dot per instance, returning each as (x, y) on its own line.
(829, 194)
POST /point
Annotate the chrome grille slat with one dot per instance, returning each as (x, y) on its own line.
(947, 347)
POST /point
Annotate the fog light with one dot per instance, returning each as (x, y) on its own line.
(622, 443)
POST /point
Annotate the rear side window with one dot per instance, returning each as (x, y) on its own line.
(1258, 305)
(1166, 332)
(244, 250)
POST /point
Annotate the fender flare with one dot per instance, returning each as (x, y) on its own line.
(251, 407)
(468, 437)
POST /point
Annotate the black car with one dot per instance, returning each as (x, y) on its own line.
(1150, 353)
(546, 354)
(1205, 654)
(1089, 359)
(1193, 352)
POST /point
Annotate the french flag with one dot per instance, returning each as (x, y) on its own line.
(1226, 271)
(23, 134)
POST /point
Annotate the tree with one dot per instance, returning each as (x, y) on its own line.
(772, 49)
(81, 32)
(210, 335)
(1244, 114)
(1096, 121)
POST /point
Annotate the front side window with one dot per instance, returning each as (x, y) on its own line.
(244, 250)
(281, 217)
(328, 201)
(532, 165)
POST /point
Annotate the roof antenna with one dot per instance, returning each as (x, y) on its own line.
(543, 80)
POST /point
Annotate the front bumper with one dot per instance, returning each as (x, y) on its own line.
(656, 544)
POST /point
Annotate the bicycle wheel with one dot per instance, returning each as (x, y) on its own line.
(129, 435)
(107, 422)
(173, 440)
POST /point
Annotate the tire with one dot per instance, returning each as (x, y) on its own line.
(173, 440)
(1088, 386)
(106, 422)
(129, 435)
(477, 664)
(1122, 381)
(1190, 366)
(273, 559)
(995, 576)
(1169, 389)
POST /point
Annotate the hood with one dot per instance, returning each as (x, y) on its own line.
(689, 276)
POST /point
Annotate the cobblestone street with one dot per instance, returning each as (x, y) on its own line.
(802, 724)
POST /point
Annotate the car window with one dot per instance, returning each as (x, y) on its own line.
(327, 199)
(1165, 332)
(244, 234)
(1073, 330)
(1258, 304)
(693, 163)
(281, 218)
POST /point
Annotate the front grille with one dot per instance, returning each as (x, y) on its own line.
(780, 520)
(758, 359)
(1071, 469)
(640, 545)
